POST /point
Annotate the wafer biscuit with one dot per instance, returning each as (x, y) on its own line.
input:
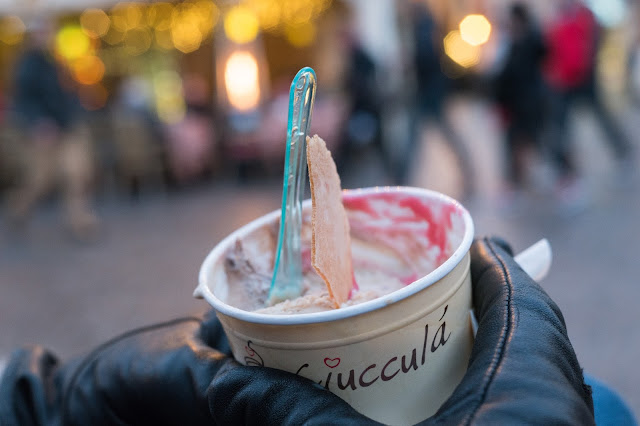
(330, 238)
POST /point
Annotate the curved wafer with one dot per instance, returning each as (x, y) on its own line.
(330, 237)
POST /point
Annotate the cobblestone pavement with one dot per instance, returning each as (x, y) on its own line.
(70, 296)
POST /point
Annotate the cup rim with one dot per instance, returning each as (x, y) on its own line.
(204, 291)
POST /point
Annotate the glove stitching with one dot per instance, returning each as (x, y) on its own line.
(94, 354)
(506, 330)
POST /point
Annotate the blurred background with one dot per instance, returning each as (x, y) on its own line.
(135, 135)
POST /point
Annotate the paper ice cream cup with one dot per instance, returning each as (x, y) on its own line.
(396, 358)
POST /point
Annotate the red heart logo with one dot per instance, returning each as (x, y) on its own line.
(332, 362)
(250, 351)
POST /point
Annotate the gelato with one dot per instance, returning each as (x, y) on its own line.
(395, 239)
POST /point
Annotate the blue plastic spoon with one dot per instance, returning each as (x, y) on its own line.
(286, 282)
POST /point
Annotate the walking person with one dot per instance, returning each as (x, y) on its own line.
(432, 91)
(363, 124)
(571, 72)
(520, 92)
(56, 146)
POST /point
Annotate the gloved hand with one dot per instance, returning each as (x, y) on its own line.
(153, 375)
(522, 369)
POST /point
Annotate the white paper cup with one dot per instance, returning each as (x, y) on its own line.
(396, 358)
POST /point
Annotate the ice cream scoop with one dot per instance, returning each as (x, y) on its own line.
(287, 271)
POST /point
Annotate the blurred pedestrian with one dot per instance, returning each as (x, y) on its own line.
(138, 144)
(363, 124)
(191, 141)
(56, 145)
(571, 71)
(432, 90)
(520, 93)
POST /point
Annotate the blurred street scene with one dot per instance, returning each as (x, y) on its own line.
(136, 135)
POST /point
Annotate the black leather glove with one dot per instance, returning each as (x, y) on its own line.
(154, 375)
(522, 369)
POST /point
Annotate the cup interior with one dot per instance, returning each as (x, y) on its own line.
(424, 234)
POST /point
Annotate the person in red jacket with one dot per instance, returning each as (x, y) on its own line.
(572, 47)
(570, 72)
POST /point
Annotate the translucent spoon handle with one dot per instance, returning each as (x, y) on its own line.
(287, 272)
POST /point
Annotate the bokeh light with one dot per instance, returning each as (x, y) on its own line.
(158, 15)
(460, 51)
(11, 30)
(475, 29)
(163, 39)
(206, 14)
(241, 24)
(297, 12)
(277, 15)
(71, 42)
(95, 22)
(301, 35)
(242, 81)
(186, 38)
(88, 69)
(137, 41)
(113, 36)
(127, 16)
(187, 24)
(267, 12)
